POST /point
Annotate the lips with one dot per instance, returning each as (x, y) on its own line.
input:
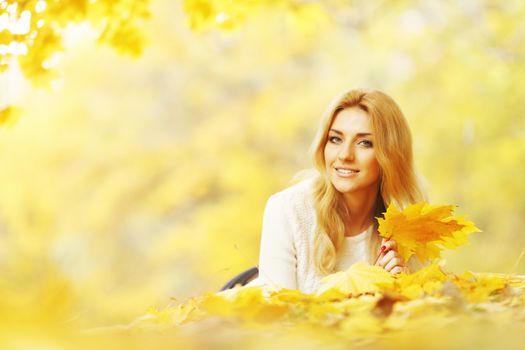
(345, 172)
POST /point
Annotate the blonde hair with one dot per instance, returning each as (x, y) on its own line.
(393, 148)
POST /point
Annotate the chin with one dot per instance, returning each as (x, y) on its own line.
(343, 187)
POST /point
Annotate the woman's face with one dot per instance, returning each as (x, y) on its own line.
(349, 154)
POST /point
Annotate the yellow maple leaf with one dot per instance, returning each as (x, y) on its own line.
(247, 303)
(424, 229)
(289, 296)
(358, 279)
(425, 281)
(176, 315)
(478, 288)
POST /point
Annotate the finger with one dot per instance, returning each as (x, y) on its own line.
(397, 270)
(384, 247)
(390, 245)
(381, 252)
(381, 255)
(393, 263)
(384, 240)
(386, 258)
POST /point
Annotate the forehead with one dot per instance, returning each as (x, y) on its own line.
(352, 120)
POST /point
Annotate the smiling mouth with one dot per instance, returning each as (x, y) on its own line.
(346, 172)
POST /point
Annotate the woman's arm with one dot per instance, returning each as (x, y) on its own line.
(277, 259)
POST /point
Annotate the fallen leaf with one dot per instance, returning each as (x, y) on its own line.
(358, 279)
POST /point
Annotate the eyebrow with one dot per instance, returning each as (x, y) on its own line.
(358, 134)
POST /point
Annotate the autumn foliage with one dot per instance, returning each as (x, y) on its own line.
(140, 140)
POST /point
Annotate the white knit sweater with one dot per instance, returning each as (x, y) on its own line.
(287, 242)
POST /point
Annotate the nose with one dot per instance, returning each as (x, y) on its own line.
(346, 153)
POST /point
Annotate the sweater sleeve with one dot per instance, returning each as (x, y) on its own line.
(277, 259)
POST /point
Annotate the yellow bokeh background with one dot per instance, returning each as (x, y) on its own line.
(131, 181)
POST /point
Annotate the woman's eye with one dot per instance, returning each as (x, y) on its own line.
(334, 139)
(366, 143)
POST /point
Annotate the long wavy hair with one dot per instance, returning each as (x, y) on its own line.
(398, 183)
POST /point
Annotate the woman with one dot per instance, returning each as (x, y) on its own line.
(363, 156)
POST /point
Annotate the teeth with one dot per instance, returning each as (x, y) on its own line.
(345, 171)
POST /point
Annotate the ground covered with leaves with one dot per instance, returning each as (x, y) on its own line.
(362, 307)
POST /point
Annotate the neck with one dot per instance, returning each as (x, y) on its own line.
(361, 208)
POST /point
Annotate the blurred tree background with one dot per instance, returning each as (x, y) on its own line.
(139, 177)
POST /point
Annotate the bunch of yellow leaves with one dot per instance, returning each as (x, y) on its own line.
(424, 229)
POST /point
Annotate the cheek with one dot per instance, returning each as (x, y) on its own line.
(372, 164)
(328, 155)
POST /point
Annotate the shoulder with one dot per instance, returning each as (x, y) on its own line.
(295, 202)
(297, 193)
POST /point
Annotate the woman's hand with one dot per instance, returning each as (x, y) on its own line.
(389, 259)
